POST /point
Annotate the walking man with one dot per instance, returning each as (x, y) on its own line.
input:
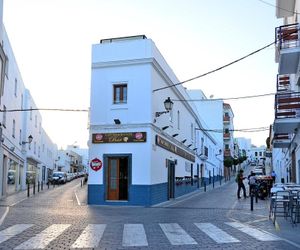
(239, 180)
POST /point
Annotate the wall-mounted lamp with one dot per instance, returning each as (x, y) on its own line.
(175, 135)
(117, 121)
(220, 152)
(168, 106)
(189, 145)
(165, 127)
(30, 138)
(183, 141)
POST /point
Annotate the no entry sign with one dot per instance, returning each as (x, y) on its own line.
(96, 164)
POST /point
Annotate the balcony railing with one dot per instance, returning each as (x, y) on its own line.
(283, 83)
(282, 140)
(226, 135)
(287, 36)
(287, 105)
(226, 119)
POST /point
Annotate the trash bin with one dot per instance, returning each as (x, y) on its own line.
(282, 180)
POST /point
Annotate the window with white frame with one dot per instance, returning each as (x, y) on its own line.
(178, 119)
(14, 128)
(20, 137)
(16, 87)
(192, 131)
(4, 116)
(22, 101)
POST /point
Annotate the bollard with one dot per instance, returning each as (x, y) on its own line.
(213, 181)
(28, 189)
(38, 186)
(251, 202)
(256, 197)
(81, 182)
(42, 185)
(34, 188)
(220, 180)
(204, 186)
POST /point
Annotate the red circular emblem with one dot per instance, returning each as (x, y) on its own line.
(99, 137)
(138, 135)
(96, 164)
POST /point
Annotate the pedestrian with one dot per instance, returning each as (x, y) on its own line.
(273, 174)
(239, 179)
(252, 182)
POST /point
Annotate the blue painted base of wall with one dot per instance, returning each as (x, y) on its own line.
(138, 195)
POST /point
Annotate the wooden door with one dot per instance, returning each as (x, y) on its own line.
(113, 177)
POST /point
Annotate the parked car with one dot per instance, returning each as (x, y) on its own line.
(258, 171)
(70, 176)
(59, 178)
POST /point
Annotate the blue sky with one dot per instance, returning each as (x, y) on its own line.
(52, 42)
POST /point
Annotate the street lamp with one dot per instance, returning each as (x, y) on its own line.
(30, 138)
(168, 106)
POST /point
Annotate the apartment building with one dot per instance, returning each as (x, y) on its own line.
(286, 137)
(145, 146)
(26, 151)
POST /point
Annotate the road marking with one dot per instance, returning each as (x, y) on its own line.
(90, 236)
(253, 232)
(216, 233)
(134, 236)
(10, 232)
(41, 240)
(176, 235)
(4, 215)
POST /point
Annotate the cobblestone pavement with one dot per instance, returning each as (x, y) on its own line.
(60, 219)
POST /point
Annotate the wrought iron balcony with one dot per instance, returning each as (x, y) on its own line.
(287, 112)
(287, 48)
(283, 83)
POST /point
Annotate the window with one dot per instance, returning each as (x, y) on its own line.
(6, 67)
(4, 116)
(192, 131)
(21, 101)
(20, 137)
(14, 129)
(178, 119)
(255, 153)
(226, 146)
(120, 93)
(260, 153)
(226, 114)
(16, 87)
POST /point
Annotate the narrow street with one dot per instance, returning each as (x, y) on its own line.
(204, 220)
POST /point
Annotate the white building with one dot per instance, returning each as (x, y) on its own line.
(139, 153)
(20, 161)
(286, 138)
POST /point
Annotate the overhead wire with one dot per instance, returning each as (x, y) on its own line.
(226, 65)
(267, 3)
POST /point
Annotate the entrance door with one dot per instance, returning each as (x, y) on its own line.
(171, 180)
(117, 178)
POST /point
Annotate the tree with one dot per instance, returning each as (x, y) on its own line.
(228, 162)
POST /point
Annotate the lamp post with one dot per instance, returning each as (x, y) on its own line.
(168, 106)
(24, 151)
